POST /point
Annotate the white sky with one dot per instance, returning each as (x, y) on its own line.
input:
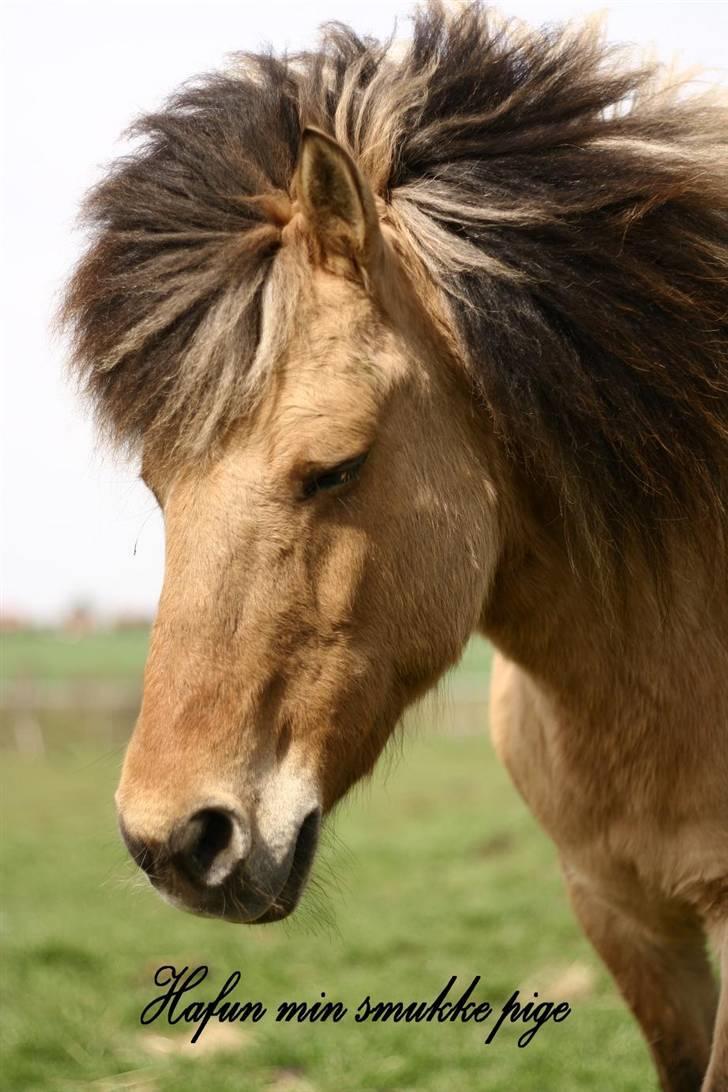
(74, 76)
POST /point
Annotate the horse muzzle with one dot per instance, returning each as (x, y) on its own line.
(216, 863)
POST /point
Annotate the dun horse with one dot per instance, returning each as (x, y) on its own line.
(416, 343)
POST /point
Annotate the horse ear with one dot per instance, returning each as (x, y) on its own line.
(335, 199)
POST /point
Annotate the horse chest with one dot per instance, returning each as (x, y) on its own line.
(615, 804)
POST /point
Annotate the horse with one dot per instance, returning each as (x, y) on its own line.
(415, 342)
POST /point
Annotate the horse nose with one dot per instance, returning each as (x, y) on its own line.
(210, 845)
(206, 847)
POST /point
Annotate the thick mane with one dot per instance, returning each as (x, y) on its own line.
(571, 208)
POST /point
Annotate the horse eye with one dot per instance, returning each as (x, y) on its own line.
(338, 475)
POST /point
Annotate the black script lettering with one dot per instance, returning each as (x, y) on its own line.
(178, 984)
(197, 1012)
(318, 1012)
(415, 1011)
(539, 1014)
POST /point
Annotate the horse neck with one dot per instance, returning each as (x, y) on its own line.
(630, 651)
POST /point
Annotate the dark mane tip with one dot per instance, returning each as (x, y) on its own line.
(577, 216)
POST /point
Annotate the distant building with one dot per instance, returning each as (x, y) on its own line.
(14, 623)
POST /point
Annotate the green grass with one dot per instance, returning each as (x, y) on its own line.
(57, 657)
(436, 869)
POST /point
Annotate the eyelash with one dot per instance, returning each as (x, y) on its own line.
(336, 476)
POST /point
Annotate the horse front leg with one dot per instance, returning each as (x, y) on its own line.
(661, 968)
(716, 1079)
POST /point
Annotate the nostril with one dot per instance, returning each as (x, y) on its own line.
(308, 833)
(209, 833)
(209, 845)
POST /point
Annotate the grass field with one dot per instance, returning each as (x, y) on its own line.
(435, 868)
(50, 656)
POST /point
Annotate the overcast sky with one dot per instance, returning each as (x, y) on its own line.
(75, 525)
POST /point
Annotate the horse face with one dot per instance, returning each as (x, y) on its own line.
(322, 571)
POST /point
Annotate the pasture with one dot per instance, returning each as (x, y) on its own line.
(432, 869)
